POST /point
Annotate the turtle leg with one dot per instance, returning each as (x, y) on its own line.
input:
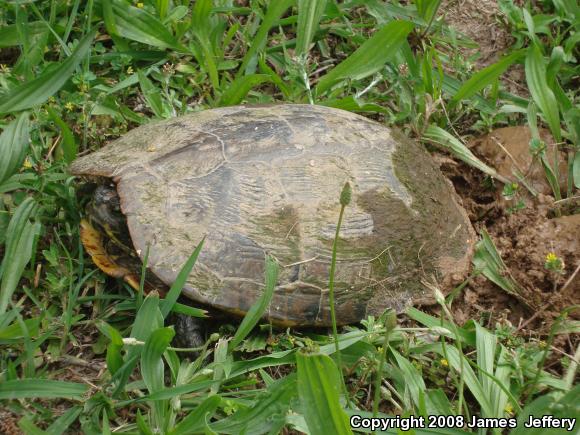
(189, 331)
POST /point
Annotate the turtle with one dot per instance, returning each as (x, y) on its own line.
(265, 180)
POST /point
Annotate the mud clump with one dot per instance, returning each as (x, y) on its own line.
(508, 151)
(524, 231)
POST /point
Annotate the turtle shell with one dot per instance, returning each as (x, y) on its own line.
(257, 180)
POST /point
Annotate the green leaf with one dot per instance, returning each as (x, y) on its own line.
(319, 387)
(69, 145)
(353, 104)
(19, 243)
(48, 83)
(9, 36)
(551, 176)
(152, 95)
(413, 381)
(266, 415)
(40, 388)
(17, 331)
(486, 76)
(138, 25)
(153, 373)
(152, 358)
(369, 57)
(238, 90)
(162, 7)
(439, 136)
(148, 319)
(13, 146)
(200, 23)
(541, 92)
(175, 290)
(114, 357)
(309, 15)
(488, 260)
(62, 423)
(576, 169)
(485, 344)
(196, 419)
(259, 307)
(427, 8)
(461, 364)
(555, 405)
(144, 427)
(275, 11)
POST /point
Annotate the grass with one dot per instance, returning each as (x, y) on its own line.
(81, 354)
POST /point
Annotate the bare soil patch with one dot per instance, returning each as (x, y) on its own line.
(523, 235)
(483, 22)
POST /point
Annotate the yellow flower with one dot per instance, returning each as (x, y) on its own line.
(130, 70)
(139, 5)
(509, 409)
(554, 263)
(27, 163)
(444, 362)
(69, 106)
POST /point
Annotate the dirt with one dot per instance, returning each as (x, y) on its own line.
(484, 23)
(525, 230)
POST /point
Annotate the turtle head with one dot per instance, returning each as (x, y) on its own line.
(104, 211)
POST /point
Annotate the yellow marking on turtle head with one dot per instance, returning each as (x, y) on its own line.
(93, 243)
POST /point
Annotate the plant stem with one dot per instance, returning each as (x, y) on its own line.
(344, 200)
(331, 298)
(378, 378)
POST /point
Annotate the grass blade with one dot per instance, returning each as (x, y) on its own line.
(40, 388)
(541, 92)
(13, 146)
(488, 260)
(114, 358)
(62, 423)
(319, 385)
(9, 36)
(275, 11)
(486, 76)
(151, 358)
(427, 8)
(196, 419)
(19, 243)
(257, 311)
(47, 84)
(200, 23)
(309, 15)
(17, 330)
(148, 319)
(152, 94)
(138, 25)
(439, 136)
(485, 344)
(413, 380)
(463, 368)
(369, 57)
(69, 145)
(171, 298)
(238, 90)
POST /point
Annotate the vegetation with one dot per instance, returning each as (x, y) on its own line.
(81, 354)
